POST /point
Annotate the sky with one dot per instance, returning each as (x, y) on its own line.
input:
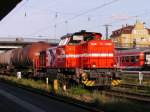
(54, 18)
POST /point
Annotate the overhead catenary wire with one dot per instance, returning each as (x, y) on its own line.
(88, 22)
(58, 13)
(145, 13)
(23, 5)
(78, 15)
(93, 9)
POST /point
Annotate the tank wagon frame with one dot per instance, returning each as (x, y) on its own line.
(21, 59)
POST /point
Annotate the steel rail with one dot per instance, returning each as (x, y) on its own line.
(128, 95)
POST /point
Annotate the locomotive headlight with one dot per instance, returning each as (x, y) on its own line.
(94, 66)
(37, 54)
(115, 66)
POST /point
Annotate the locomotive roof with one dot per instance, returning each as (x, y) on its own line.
(84, 32)
(80, 33)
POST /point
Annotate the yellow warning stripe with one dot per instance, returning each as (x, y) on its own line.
(115, 82)
(92, 83)
(85, 81)
(89, 83)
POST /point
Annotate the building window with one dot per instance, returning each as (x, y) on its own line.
(143, 39)
(126, 40)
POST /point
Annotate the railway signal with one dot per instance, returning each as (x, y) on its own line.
(140, 78)
(18, 75)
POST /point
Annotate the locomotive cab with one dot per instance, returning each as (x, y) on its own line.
(82, 57)
(79, 38)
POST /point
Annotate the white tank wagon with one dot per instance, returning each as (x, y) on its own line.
(5, 58)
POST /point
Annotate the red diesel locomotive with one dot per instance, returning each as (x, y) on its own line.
(81, 57)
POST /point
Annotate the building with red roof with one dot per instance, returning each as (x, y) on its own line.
(132, 36)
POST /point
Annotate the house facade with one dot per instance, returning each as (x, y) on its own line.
(132, 36)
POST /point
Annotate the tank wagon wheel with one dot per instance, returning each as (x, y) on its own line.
(63, 80)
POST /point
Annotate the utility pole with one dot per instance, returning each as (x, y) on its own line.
(66, 22)
(107, 28)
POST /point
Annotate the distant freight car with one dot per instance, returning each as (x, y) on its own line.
(81, 57)
(21, 59)
(25, 56)
(5, 58)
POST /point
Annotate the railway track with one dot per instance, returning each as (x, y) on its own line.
(132, 86)
(128, 95)
(60, 98)
(146, 73)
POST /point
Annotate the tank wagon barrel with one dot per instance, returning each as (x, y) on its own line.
(25, 56)
(21, 59)
(5, 57)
